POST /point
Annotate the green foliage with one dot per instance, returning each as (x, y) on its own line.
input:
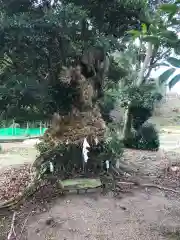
(167, 75)
(174, 62)
(174, 80)
(67, 159)
(113, 145)
(42, 147)
(116, 15)
(111, 90)
(107, 104)
(169, 8)
(156, 26)
(144, 96)
(37, 41)
(146, 138)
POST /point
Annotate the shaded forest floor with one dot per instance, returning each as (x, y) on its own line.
(137, 213)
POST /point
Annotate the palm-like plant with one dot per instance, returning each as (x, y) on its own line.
(154, 37)
(173, 65)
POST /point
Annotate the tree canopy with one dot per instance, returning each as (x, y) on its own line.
(38, 38)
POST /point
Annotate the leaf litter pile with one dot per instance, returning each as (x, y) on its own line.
(13, 181)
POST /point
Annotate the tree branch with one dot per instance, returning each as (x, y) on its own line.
(153, 62)
(147, 59)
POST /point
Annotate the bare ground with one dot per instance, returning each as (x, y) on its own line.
(141, 214)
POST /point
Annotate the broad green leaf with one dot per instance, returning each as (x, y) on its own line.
(165, 75)
(171, 43)
(153, 29)
(152, 39)
(135, 33)
(162, 64)
(174, 22)
(174, 80)
(169, 8)
(177, 49)
(174, 62)
(170, 35)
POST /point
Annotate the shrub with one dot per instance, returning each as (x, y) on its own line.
(149, 137)
(146, 138)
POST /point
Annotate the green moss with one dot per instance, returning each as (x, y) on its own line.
(81, 183)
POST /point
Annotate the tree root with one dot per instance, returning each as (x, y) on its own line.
(35, 186)
(148, 185)
(12, 232)
(159, 187)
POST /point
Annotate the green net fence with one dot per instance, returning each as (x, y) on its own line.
(21, 132)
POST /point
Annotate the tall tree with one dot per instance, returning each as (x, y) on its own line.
(153, 37)
(38, 38)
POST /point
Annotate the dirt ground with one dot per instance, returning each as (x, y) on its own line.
(140, 216)
(143, 213)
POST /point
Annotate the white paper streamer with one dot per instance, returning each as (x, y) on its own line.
(51, 167)
(96, 140)
(107, 164)
(85, 150)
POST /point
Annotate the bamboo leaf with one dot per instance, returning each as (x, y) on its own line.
(174, 80)
(177, 49)
(169, 8)
(165, 75)
(174, 21)
(174, 62)
(170, 35)
(162, 64)
(152, 39)
(134, 33)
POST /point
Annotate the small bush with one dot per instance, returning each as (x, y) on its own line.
(140, 115)
(149, 137)
(146, 138)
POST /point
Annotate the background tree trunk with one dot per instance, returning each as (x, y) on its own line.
(128, 116)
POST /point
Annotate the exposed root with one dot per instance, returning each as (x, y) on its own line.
(12, 233)
(24, 225)
(148, 185)
(114, 183)
(159, 187)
